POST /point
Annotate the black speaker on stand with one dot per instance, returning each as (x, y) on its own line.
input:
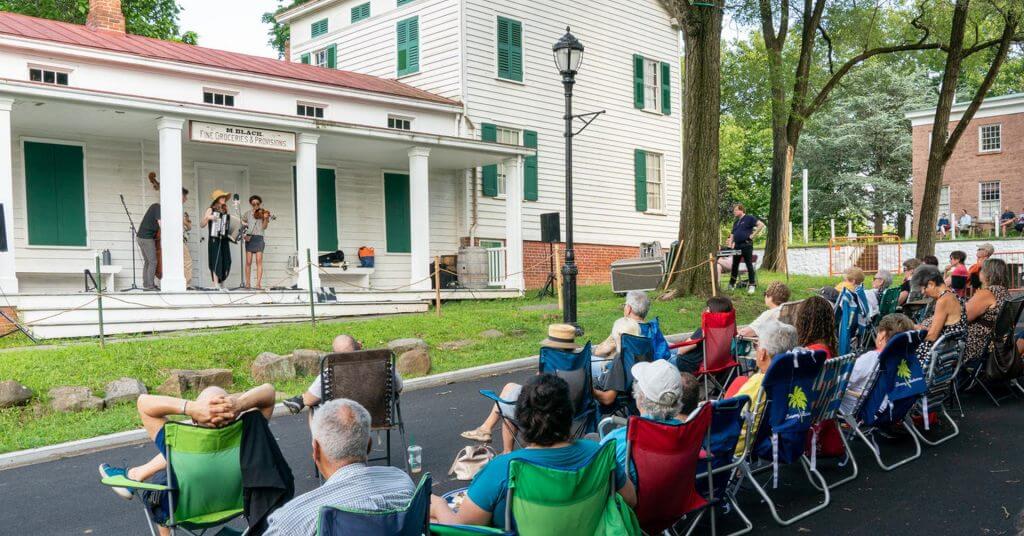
(550, 232)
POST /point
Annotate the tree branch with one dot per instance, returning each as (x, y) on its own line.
(853, 62)
(828, 41)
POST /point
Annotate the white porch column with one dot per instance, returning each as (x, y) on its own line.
(170, 204)
(8, 278)
(514, 223)
(305, 205)
(419, 218)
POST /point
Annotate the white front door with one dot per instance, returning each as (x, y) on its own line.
(233, 179)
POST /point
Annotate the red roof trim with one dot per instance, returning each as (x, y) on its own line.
(75, 34)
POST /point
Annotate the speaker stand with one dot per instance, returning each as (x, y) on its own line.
(549, 285)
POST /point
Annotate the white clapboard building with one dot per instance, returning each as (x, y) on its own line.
(413, 161)
(494, 57)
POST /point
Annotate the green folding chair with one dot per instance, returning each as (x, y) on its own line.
(204, 477)
(888, 302)
(558, 500)
(465, 530)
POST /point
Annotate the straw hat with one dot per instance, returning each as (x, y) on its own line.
(218, 193)
(561, 336)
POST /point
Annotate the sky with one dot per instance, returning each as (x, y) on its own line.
(229, 24)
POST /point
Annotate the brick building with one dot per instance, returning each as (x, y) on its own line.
(985, 175)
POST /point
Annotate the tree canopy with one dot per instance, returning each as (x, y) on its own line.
(279, 34)
(149, 18)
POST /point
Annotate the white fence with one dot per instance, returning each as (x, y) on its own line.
(496, 267)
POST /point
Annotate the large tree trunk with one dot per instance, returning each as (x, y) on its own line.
(777, 243)
(699, 220)
(879, 220)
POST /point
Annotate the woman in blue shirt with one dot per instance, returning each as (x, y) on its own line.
(544, 415)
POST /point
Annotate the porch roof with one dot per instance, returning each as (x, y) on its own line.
(88, 112)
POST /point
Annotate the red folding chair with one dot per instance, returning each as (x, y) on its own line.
(717, 333)
(665, 457)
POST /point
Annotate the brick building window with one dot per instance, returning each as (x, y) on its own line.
(944, 202)
(990, 138)
(989, 201)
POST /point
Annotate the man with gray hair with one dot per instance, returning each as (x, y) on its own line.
(879, 284)
(773, 339)
(634, 312)
(341, 443)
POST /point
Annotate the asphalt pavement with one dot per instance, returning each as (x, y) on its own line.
(973, 484)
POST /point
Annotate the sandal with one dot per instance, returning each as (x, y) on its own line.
(478, 434)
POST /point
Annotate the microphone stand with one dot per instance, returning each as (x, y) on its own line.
(131, 225)
(241, 247)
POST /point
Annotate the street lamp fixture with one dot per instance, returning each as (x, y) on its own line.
(568, 53)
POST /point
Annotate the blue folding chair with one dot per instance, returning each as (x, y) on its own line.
(894, 388)
(574, 368)
(413, 520)
(866, 327)
(727, 419)
(847, 315)
(633, 350)
(788, 397)
(830, 388)
(943, 366)
(652, 330)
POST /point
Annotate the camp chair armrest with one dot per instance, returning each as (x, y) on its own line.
(487, 393)
(688, 342)
(122, 482)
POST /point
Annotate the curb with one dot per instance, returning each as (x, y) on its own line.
(22, 458)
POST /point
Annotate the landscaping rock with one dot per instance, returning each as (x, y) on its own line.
(415, 362)
(13, 394)
(182, 381)
(270, 367)
(306, 362)
(67, 399)
(455, 345)
(123, 390)
(517, 333)
(492, 334)
(401, 346)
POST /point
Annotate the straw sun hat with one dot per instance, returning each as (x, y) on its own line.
(561, 336)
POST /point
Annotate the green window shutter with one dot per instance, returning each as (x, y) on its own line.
(510, 49)
(638, 81)
(666, 88)
(361, 12)
(304, 59)
(318, 28)
(403, 2)
(332, 56)
(55, 194)
(396, 213)
(640, 174)
(489, 132)
(530, 188)
(326, 210)
(408, 37)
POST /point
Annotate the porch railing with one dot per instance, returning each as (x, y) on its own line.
(496, 267)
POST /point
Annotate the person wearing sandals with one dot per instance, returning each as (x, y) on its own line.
(984, 307)
(560, 336)
(950, 315)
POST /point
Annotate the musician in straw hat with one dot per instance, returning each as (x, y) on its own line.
(217, 220)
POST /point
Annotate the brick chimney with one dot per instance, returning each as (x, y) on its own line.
(105, 15)
(288, 50)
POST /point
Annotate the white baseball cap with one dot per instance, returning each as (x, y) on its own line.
(659, 381)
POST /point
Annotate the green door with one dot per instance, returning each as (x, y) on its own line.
(396, 213)
(326, 209)
(55, 194)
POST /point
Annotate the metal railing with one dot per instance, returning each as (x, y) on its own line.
(496, 267)
(869, 253)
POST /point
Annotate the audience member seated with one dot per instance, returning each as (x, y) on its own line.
(313, 395)
(949, 315)
(879, 284)
(930, 260)
(966, 221)
(852, 278)
(775, 295)
(1006, 220)
(633, 314)
(689, 357)
(561, 337)
(943, 225)
(909, 266)
(984, 251)
(544, 414)
(1018, 225)
(658, 390)
(816, 326)
(775, 338)
(691, 394)
(341, 444)
(956, 273)
(866, 364)
(213, 408)
(984, 307)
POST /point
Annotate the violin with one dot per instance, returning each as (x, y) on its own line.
(263, 214)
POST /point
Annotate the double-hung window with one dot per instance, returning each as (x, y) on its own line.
(508, 136)
(990, 138)
(655, 183)
(652, 85)
(989, 201)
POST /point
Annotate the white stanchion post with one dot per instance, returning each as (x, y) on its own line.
(805, 207)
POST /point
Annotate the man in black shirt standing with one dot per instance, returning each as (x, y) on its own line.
(146, 238)
(744, 229)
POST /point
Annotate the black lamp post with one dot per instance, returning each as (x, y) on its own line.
(568, 53)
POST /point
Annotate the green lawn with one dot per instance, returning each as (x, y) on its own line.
(83, 362)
